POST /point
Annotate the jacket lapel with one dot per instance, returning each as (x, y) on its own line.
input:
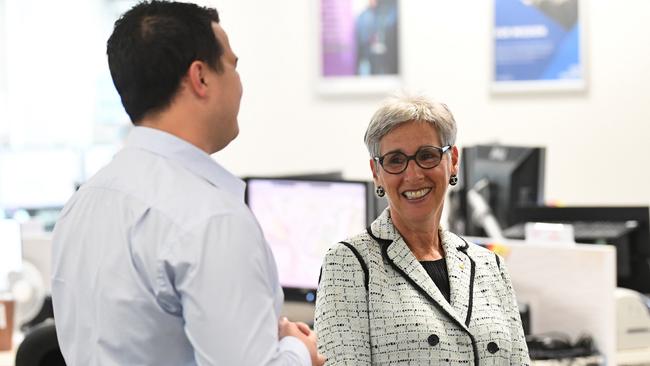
(461, 275)
(403, 260)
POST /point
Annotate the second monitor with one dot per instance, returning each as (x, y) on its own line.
(301, 219)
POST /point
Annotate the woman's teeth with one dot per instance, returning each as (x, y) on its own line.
(411, 195)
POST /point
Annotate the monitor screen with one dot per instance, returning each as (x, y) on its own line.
(506, 177)
(301, 219)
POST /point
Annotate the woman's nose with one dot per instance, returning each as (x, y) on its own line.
(413, 170)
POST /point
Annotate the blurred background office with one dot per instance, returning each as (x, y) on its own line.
(61, 119)
(60, 114)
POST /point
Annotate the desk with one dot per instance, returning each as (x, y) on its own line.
(636, 357)
(569, 289)
(579, 361)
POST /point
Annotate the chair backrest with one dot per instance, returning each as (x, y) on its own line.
(40, 347)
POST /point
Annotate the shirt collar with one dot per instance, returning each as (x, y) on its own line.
(187, 155)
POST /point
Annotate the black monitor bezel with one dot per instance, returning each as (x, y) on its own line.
(470, 157)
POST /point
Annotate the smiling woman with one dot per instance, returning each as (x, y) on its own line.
(406, 290)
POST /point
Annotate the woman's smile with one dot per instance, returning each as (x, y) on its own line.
(418, 194)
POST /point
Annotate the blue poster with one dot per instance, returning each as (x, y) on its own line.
(537, 41)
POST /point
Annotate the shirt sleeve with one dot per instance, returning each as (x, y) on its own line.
(519, 355)
(225, 277)
(342, 310)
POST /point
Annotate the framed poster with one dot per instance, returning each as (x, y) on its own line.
(359, 46)
(538, 45)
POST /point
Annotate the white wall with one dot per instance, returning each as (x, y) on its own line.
(51, 61)
(597, 141)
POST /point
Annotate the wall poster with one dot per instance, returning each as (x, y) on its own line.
(538, 45)
(359, 46)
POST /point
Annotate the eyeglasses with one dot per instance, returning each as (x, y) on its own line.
(427, 157)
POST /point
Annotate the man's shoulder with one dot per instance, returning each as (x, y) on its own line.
(165, 187)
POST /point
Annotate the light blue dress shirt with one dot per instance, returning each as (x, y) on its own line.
(158, 261)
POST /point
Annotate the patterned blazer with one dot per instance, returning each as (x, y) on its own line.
(376, 305)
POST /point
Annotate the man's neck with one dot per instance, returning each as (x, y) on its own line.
(178, 124)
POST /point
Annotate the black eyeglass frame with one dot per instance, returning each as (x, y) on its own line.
(443, 150)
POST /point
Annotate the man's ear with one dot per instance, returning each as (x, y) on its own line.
(196, 78)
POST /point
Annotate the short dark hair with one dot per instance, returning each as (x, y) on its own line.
(151, 48)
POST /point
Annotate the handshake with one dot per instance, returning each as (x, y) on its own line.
(307, 336)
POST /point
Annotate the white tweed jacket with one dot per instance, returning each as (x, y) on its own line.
(376, 305)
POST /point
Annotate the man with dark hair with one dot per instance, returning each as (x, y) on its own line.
(156, 259)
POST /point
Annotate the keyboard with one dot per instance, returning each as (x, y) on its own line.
(584, 230)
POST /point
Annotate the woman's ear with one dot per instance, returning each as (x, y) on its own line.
(375, 171)
(455, 160)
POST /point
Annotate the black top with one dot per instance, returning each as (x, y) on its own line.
(437, 270)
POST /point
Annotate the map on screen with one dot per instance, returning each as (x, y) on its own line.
(301, 219)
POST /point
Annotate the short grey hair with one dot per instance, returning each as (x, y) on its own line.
(402, 108)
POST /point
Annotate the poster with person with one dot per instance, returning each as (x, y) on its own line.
(359, 42)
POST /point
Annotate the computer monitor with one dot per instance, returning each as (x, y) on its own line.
(627, 228)
(301, 219)
(376, 205)
(506, 177)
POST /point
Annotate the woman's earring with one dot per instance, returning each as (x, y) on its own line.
(453, 180)
(380, 191)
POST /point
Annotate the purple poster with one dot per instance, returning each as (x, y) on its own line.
(359, 37)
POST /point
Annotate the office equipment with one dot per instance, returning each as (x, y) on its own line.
(376, 205)
(632, 319)
(542, 232)
(558, 346)
(301, 219)
(481, 213)
(40, 347)
(28, 290)
(567, 289)
(627, 228)
(505, 176)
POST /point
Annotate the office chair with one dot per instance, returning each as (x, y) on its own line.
(40, 347)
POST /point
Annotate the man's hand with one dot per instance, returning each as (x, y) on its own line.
(307, 336)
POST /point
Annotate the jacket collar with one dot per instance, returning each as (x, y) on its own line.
(459, 266)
